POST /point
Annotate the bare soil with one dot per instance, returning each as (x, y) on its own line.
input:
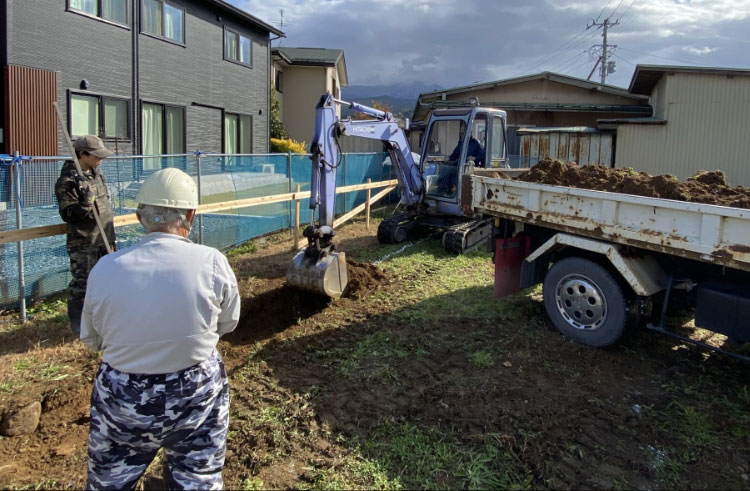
(708, 187)
(568, 416)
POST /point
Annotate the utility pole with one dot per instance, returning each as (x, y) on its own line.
(605, 66)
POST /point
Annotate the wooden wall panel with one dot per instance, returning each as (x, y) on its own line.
(31, 124)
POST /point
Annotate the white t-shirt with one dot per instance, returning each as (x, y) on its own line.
(159, 306)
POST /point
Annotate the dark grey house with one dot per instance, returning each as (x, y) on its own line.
(148, 76)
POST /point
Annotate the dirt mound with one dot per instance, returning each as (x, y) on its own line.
(363, 278)
(708, 187)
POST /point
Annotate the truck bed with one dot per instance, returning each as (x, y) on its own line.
(709, 233)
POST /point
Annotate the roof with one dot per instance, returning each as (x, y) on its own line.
(245, 16)
(309, 56)
(614, 123)
(646, 77)
(556, 77)
(315, 57)
(561, 129)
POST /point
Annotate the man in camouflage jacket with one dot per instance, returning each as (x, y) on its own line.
(77, 196)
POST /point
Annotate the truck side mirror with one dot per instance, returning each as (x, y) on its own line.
(407, 124)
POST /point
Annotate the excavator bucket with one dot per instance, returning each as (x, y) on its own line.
(326, 276)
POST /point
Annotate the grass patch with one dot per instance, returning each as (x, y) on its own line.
(248, 247)
(353, 472)
(481, 359)
(436, 459)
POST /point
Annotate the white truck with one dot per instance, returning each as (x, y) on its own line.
(602, 256)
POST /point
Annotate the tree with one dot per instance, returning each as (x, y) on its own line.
(277, 127)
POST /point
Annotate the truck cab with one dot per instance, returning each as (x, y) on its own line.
(455, 139)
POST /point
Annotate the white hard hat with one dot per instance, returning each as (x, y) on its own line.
(170, 188)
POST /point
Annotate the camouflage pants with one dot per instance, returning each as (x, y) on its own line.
(81, 264)
(132, 416)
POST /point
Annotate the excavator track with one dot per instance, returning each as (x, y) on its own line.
(466, 236)
(394, 229)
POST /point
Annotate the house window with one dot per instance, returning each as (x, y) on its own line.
(103, 116)
(279, 81)
(163, 19)
(333, 84)
(238, 133)
(237, 48)
(163, 131)
(111, 10)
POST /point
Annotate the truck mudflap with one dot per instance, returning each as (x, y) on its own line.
(509, 257)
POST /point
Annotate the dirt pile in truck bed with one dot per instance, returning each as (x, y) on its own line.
(708, 187)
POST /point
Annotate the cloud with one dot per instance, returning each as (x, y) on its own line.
(458, 42)
(699, 51)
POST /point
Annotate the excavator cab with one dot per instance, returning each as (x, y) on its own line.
(457, 138)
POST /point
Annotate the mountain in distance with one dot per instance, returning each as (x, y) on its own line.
(400, 98)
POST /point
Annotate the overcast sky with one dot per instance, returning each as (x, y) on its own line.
(460, 42)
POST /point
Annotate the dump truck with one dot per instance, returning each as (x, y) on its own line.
(604, 257)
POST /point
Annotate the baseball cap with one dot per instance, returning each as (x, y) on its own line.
(93, 145)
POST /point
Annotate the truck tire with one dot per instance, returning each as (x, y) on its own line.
(585, 302)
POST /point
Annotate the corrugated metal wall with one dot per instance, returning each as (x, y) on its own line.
(707, 128)
(583, 148)
(31, 124)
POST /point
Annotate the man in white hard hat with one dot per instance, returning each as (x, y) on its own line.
(157, 310)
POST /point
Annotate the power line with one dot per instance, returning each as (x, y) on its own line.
(567, 46)
(623, 59)
(615, 10)
(662, 57)
(603, 9)
(562, 66)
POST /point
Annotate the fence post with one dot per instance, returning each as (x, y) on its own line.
(200, 217)
(343, 181)
(291, 181)
(295, 230)
(19, 225)
(367, 205)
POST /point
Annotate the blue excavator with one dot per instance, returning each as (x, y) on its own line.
(456, 141)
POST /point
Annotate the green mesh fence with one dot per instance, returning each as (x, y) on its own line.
(220, 178)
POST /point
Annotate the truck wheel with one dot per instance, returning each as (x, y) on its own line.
(585, 302)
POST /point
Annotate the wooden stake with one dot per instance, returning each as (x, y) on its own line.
(296, 218)
(367, 207)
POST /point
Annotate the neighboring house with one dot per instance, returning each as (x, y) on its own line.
(300, 76)
(148, 76)
(542, 100)
(700, 121)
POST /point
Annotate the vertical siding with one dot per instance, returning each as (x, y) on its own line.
(707, 121)
(583, 148)
(31, 125)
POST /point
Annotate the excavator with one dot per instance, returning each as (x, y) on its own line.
(456, 140)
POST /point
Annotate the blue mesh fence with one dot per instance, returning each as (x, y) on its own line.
(220, 177)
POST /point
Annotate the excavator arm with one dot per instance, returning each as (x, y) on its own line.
(318, 267)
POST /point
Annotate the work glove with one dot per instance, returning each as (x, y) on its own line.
(88, 196)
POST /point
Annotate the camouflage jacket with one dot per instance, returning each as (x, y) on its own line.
(83, 234)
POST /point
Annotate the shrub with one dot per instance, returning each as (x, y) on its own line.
(284, 145)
